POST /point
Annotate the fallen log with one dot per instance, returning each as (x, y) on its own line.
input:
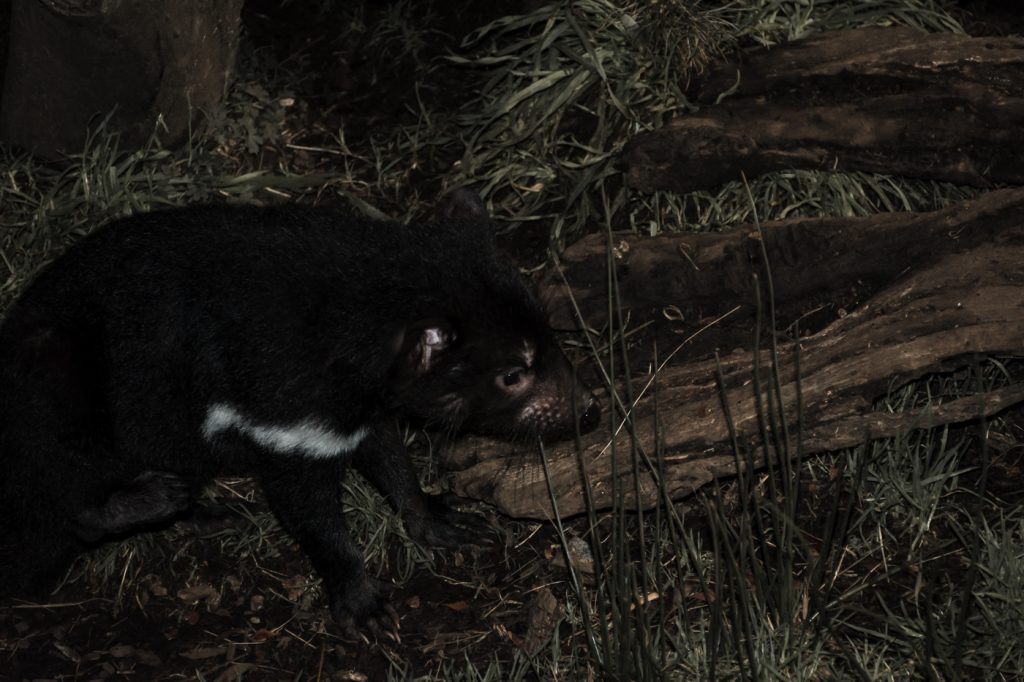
(923, 310)
(813, 259)
(890, 100)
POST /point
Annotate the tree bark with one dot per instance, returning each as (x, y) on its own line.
(925, 309)
(888, 100)
(71, 61)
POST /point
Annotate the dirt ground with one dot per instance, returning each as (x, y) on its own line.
(195, 610)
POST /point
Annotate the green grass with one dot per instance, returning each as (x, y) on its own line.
(770, 22)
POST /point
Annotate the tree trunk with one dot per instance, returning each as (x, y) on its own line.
(923, 310)
(888, 100)
(71, 61)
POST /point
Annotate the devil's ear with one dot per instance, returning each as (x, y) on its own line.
(461, 203)
(423, 345)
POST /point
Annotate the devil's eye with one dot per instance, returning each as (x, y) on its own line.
(514, 381)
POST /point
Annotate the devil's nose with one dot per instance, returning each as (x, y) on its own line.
(591, 415)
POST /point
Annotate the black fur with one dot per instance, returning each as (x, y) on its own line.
(111, 360)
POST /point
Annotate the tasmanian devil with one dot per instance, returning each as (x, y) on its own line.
(169, 347)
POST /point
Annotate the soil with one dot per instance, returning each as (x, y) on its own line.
(192, 609)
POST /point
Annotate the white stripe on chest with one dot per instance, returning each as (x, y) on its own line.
(308, 437)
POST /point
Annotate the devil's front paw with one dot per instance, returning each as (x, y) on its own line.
(438, 525)
(360, 610)
(167, 494)
(153, 497)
